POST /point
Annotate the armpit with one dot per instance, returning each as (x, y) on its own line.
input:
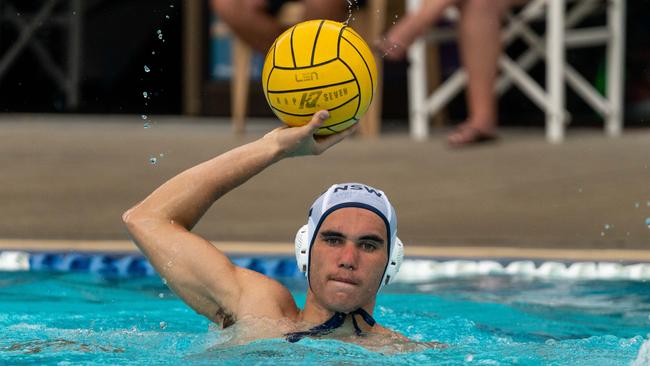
(223, 317)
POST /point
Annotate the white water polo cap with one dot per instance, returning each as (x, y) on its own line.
(351, 195)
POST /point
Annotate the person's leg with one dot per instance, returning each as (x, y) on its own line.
(480, 47)
(400, 37)
(250, 20)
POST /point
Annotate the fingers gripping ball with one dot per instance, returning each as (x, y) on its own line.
(319, 64)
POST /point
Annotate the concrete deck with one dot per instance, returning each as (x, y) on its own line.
(70, 178)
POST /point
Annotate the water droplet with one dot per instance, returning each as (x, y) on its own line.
(469, 358)
(153, 52)
(579, 190)
(160, 36)
(647, 203)
(602, 233)
(171, 6)
(166, 16)
(164, 281)
(607, 226)
(146, 68)
(647, 222)
(162, 155)
(396, 16)
(145, 94)
(161, 295)
(146, 125)
(163, 325)
(153, 160)
(158, 31)
(144, 117)
(637, 205)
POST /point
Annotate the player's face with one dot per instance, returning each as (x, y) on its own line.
(348, 259)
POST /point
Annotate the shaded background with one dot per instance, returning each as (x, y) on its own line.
(69, 172)
(120, 37)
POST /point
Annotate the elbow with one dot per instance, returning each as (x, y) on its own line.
(131, 217)
(126, 216)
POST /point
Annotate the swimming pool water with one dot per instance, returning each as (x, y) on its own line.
(73, 318)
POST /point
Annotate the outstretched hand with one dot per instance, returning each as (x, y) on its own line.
(301, 141)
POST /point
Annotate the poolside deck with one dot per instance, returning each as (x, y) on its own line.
(69, 178)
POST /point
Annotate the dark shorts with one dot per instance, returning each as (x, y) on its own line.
(273, 6)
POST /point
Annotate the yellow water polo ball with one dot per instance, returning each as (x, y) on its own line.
(319, 64)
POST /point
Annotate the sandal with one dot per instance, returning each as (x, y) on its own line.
(466, 135)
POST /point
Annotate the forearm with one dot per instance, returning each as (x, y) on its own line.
(186, 197)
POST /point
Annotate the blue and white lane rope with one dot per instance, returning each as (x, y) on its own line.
(412, 270)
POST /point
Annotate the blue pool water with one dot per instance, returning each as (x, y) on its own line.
(89, 319)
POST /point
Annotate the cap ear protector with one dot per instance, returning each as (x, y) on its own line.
(302, 247)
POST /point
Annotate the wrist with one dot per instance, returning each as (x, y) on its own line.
(272, 147)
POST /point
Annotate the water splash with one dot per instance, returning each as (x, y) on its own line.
(392, 47)
(146, 122)
(351, 4)
(643, 358)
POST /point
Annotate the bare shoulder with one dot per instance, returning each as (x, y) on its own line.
(378, 329)
(391, 341)
(263, 296)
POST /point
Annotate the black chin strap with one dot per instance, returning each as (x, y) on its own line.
(331, 324)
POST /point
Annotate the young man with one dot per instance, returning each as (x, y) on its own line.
(349, 247)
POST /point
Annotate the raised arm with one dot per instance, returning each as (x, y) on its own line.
(196, 270)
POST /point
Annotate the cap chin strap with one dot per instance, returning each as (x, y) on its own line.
(336, 321)
(394, 262)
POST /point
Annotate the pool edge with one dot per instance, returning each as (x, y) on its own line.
(287, 249)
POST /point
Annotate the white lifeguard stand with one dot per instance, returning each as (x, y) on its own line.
(562, 17)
